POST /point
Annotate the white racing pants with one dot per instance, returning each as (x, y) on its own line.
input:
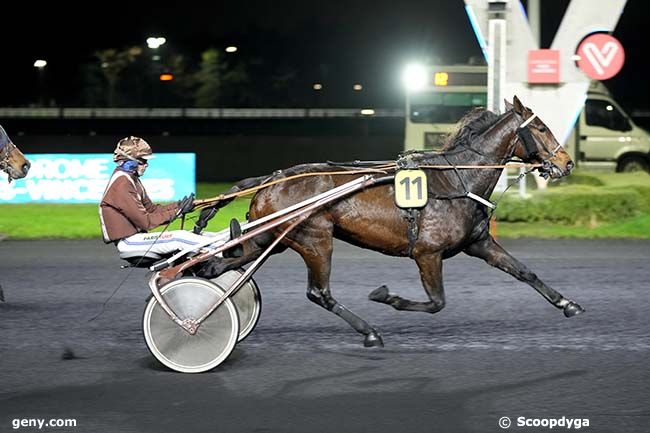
(162, 244)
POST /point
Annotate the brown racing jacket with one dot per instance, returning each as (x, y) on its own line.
(126, 209)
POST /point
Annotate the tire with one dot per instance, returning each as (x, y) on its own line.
(173, 346)
(247, 300)
(633, 163)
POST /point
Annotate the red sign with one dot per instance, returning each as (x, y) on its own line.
(543, 66)
(601, 56)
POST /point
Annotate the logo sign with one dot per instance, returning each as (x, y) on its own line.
(601, 56)
(410, 188)
(543, 66)
(82, 178)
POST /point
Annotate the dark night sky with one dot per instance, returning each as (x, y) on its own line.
(336, 42)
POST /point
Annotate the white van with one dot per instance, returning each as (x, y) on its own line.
(606, 137)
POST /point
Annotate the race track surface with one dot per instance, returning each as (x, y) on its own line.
(497, 349)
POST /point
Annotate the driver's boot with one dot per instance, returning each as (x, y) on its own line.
(235, 232)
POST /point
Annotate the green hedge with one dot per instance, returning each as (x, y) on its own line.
(577, 204)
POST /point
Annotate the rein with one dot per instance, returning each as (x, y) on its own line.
(382, 169)
(209, 201)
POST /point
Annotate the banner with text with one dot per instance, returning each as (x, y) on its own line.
(82, 178)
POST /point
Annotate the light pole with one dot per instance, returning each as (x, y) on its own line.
(40, 65)
(155, 42)
(317, 98)
(357, 100)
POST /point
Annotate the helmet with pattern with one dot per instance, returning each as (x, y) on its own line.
(132, 148)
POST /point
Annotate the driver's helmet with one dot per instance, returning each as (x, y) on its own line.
(132, 148)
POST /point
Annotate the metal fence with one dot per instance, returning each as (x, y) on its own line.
(197, 113)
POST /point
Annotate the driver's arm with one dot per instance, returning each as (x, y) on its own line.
(152, 207)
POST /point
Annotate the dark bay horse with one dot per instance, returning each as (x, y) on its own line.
(450, 222)
(12, 160)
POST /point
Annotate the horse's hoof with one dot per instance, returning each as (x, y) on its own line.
(373, 340)
(573, 309)
(380, 294)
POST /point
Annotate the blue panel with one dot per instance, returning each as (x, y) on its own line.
(82, 178)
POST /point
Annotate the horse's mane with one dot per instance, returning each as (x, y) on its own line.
(470, 126)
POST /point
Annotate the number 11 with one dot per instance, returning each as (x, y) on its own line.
(407, 187)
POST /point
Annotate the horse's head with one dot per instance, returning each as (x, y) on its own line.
(535, 143)
(12, 160)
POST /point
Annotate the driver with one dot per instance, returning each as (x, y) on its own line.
(127, 213)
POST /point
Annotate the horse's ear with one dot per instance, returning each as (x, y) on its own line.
(508, 104)
(518, 106)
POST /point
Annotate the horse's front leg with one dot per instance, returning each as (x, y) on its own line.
(430, 266)
(490, 251)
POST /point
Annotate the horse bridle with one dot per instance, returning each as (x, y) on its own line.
(5, 153)
(530, 146)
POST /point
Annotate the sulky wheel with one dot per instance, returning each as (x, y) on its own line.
(215, 339)
(248, 300)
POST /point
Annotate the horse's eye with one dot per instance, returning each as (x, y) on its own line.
(542, 129)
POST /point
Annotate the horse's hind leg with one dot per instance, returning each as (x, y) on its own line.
(317, 254)
(490, 251)
(430, 266)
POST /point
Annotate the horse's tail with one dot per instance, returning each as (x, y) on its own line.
(209, 211)
(250, 182)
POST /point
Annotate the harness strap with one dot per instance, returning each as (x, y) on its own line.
(481, 200)
(527, 121)
(413, 231)
(468, 193)
(462, 182)
(526, 136)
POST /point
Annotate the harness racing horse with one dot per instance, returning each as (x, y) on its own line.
(450, 223)
(12, 160)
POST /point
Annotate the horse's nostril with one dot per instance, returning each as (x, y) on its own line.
(26, 168)
(569, 166)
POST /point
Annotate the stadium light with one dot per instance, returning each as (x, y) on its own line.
(414, 76)
(155, 42)
(231, 49)
(317, 86)
(357, 87)
(40, 64)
